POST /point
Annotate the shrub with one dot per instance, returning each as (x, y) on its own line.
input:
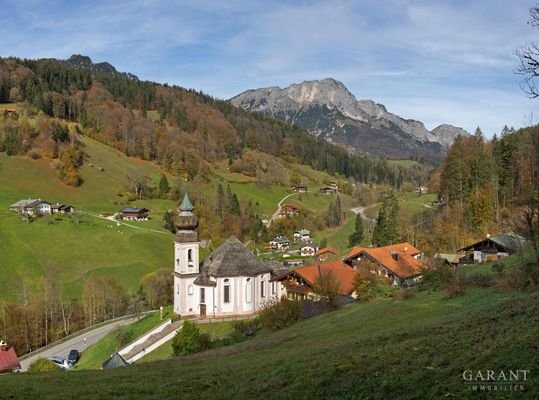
(479, 279)
(247, 327)
(498, 268)
(436, 277)
(123, 336)
(43, 365)
(187, 339)
(328, 287)
(370, 286)
(455, 287)
(277, 314)
(403, 294)
(204, 342)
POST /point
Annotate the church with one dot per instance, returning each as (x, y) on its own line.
(230, 282)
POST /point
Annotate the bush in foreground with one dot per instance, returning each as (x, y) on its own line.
(43, 365)
(187, 340)
(278, 314)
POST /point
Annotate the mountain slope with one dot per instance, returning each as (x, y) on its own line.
(327, 109)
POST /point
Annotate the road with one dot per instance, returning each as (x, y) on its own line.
(77, 343)
(276, 213)
(361, 211)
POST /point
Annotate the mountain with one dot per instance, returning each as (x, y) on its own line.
(78, 61)
(328, 110)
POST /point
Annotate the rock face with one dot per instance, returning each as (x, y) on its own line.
(85, 62)
(328, 110)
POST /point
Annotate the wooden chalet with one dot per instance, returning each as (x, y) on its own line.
(61, 209)
(299, 283)
(308, 249)
(327, 253)
(492, 248)
(299, 188)
(288, 210)
(329, 190)
(134, 214)
(400, 263)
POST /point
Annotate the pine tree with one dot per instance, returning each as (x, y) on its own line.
(386, 230)
(164, 187)
(220, 203)
(357, 236)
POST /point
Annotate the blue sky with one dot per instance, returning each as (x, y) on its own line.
(435, 61)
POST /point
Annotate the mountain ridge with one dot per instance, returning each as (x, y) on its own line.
(327, 109)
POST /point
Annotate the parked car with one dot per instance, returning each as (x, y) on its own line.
(63, 364)
(73, 356)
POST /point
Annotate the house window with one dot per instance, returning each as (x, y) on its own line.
(226, 297)
(262, 287)
(273, 288)
(190, 290)
(249, 291)
(202, 295)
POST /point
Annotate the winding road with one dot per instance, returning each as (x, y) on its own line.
(77, 343)
(279, 207)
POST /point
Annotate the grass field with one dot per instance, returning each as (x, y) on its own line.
(405, 349)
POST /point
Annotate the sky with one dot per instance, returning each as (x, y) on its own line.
(434, 61)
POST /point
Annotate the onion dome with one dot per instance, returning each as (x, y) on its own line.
(186, 221)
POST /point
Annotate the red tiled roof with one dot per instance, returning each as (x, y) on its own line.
(404, 267)
(342, 272)
(8, 360)
(327, 250)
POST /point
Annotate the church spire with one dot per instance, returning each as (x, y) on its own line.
(186, 221)
(186, 204)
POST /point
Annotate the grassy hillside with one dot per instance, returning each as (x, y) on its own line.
(406, 349)
(70, 249)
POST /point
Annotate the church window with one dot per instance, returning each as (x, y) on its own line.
(190, 290)
(202, 295)
(177, 288)
(273, 288)
(249, 291)
(226, 294)
(190, 255)
(262, 288)
(177, 262)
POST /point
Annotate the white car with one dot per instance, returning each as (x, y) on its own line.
(63, 364)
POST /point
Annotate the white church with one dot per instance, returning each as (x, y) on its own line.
(231, 282)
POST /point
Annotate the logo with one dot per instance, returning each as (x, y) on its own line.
(491, 380)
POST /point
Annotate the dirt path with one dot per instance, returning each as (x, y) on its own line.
(361, 211)
(279, 207)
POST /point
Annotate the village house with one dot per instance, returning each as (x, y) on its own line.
(230, 282)
(279, 243)
(401, 263)
(288, 210)
(31, 207)
(329, 190)
(308, 249)
(299, 188)
(492, 248)
(134, 214)
(9, 361)
(61, 209)
(303, 235)
(327, 253)
(298, 284)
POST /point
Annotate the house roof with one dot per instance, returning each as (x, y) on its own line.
(509, 241)
(133, 210)
(186, 203)
(452, 258)
(303, 232)
(115, 361)
(310, 244)
(232, 258)
(327, 250)
(8, 360)
(404, 266)
(344, 274)
(280, 239)
(25, 203)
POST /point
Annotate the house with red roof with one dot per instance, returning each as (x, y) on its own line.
(327, 253)
(8, 358)
(401, 263)
(299, 283)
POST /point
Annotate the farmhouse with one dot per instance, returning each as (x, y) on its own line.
(8, 358)
(232, 281)
(288, 210)
(31, 207)
(134, 214)
(401, 263)
(326, 253)
(303, 235)
(492, 248)
(279, 243)
(61, 209)
(308, 249)
(299, 283)
(329, 190)
(299, 188)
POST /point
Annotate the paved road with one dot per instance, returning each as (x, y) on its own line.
(276, 213)
(361, 211)
(77, 343)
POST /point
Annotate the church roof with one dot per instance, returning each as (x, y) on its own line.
(232, 258)
(186, 203)
(115, 361)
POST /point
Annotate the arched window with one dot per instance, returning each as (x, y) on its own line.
(262, 288)
(249, 291)
(190, 255)
(177, 262)
(226, 292)
(177, 288)
(190, 290)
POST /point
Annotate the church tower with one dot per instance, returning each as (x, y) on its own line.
(186, 255)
